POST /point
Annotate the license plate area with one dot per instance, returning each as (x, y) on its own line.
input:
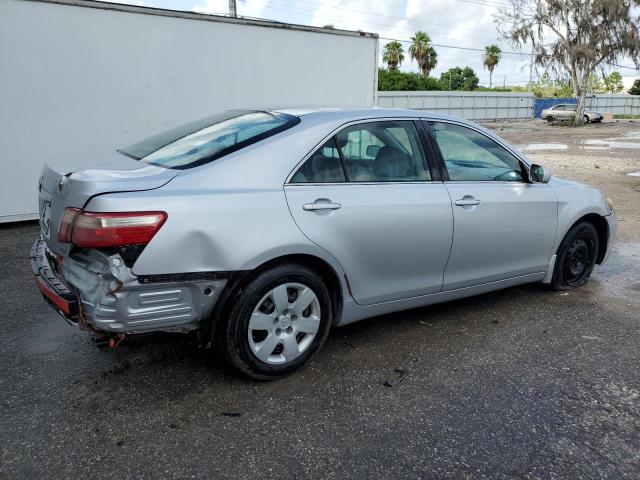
(45, 217)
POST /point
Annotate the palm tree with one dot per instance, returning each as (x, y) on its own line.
(490, 59)
(422, 52)
(393, 54)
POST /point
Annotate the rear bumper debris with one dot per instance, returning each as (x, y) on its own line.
(100, 292)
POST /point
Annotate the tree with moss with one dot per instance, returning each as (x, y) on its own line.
(573, 36)
(393, 54)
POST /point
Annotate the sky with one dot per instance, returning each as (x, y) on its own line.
(452, 23)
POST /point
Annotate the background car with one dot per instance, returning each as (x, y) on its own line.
(567, 111)
(259, 230)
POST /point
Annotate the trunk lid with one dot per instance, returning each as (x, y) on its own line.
(59, 189)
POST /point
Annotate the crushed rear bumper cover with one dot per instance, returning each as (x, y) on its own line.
(54, 290)
(99, 292)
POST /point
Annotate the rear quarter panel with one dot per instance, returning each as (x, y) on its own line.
(217, 230)
(228, 215)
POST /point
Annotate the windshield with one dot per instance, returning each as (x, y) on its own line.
(210, 138)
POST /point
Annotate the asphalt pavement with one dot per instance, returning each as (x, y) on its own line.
(521, 383)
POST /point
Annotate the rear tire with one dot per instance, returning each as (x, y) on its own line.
(277, 323)
(576, 257)
(586, 119)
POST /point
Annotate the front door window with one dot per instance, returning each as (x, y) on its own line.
(471, 156)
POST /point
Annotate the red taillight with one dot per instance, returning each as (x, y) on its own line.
(66, 224)
(96, 229)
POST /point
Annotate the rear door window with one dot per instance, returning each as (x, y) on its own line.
(385, 151)
(323, 166)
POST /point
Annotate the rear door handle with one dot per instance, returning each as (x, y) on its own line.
(467, 200)
(311, 207)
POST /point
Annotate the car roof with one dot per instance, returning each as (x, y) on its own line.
(359, 113)
(334, 117)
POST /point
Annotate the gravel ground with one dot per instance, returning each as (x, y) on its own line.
(522, 383)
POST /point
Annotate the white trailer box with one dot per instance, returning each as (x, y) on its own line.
(80, 78)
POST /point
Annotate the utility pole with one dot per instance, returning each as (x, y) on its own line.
(449, 81)
(232, 9)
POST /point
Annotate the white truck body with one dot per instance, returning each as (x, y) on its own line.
(81, 78)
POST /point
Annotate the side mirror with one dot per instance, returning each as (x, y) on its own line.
(539, 174)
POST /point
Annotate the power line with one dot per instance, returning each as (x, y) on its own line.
(502, 51)
(626, 67)
(455, 46)
(373, 24)
(411, 20)
(270, 4)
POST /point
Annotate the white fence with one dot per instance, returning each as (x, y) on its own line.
(496, 105)
(469, 105)
(616, 104)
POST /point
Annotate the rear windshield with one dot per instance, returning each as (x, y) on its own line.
(210, 138)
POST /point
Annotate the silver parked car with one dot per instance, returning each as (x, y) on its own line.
(259, 230)
(567, 111)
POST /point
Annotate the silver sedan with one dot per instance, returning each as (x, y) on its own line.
(259, 230)
(567, 111)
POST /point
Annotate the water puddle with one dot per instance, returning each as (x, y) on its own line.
(610, 143)
(542, 146)
(634, 174)
(630, 141)
(619, 277)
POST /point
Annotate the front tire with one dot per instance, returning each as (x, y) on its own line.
(550, 119)
(586, 119)
(576, 257)
(277, 322)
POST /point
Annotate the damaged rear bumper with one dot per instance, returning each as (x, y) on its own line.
(101, 292)
(54, 290)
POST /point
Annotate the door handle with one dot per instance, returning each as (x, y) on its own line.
(312, 207)
(467, 200)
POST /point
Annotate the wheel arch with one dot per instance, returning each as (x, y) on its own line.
(602, 227)
(328, 273)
